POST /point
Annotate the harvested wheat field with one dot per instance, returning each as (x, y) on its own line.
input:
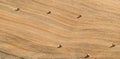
(59, 29)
